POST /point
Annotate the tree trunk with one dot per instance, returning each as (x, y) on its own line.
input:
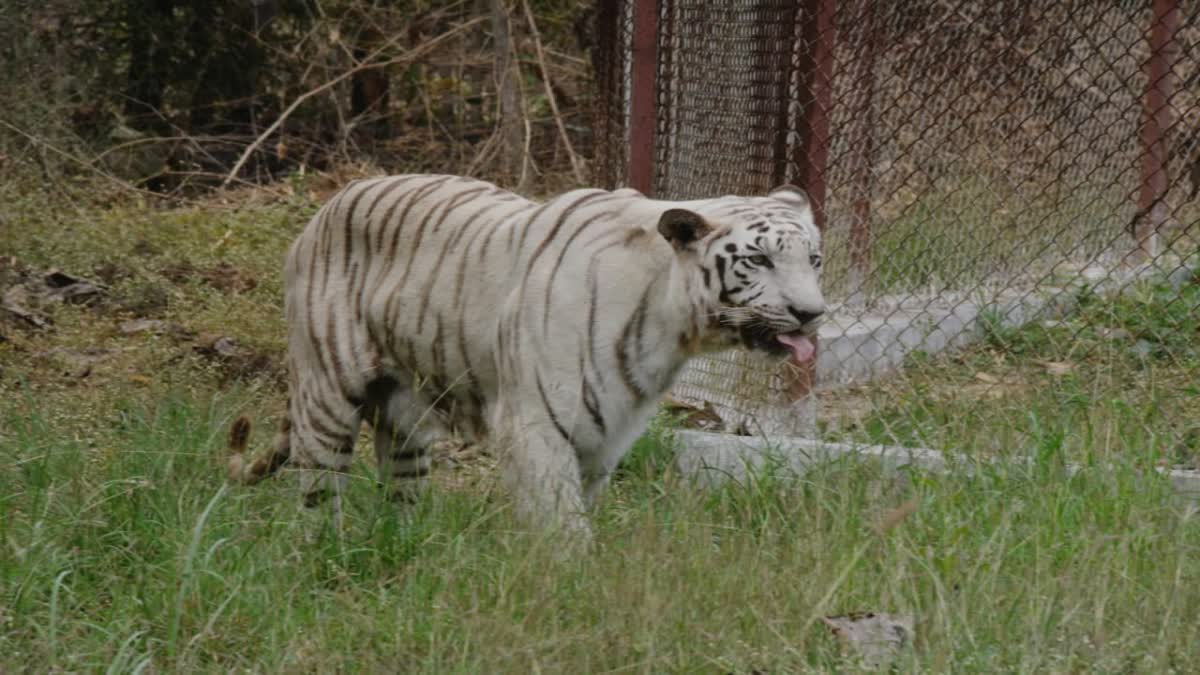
(227, 63)
(512, 133)
(369, 94)
(151, 32)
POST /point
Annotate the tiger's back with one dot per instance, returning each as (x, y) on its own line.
(399, 276)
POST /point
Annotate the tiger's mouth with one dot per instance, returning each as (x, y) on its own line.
(797, 344)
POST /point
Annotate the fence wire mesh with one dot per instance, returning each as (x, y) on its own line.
(1008, 196)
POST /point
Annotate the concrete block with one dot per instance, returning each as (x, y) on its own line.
(711, 459)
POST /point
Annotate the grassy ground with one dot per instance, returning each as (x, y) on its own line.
(121, 548)
(1118, 379)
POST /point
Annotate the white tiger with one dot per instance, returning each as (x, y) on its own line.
(438, 305)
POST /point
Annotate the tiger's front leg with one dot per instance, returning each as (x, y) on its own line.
(539, 469)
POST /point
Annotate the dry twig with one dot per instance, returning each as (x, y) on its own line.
(576, 161)
(368, 62)
(42, 143)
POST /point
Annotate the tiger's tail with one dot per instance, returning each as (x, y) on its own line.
(248, 473)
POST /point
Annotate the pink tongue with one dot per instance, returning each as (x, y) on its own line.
(802, 347)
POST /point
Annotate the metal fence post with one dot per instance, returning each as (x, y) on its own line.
(811, 152)
(862, 148)
(816, 89)
(1160, 87)
(643, 99)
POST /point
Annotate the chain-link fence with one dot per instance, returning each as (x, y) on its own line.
(1006, 191)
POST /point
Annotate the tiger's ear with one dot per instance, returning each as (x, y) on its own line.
(682, 228)
(791, 195)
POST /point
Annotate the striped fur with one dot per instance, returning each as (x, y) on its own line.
(438, 306)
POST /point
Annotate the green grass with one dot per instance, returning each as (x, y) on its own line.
(1115, 379)
(138, 555)
(135, 553)
(121, 549)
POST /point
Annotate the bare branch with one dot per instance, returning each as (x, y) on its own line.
(42, 143)
(368, 62)
(576, 161)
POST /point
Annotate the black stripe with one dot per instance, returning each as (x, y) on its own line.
(326, 240)
(371, 229)
(487, 241)
(463, 262)
(558, 264)
(436, 348)
(554, 230)
(440, 265)
(335, 439)
(593, 298)
(640, 329)
(501, 364)
(407, 454)
(553, 417)
(419, 472)
(562, 216)
(590, 400)
(418, 238)
(349, 222)
(417, 195)
(724, 296)
(478, 423)
(355, 287)
(527, 224)
(512, 224)
(623, 364)
(452, 203)
(462, 348)
(716, 238)
(310, 308)
(458, 200)
(316, 498)
(488, 226)
(394, 182)
(335, 357)
(314, 404)
(381, 230)
(414, 197)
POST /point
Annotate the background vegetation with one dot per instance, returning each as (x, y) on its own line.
(121, 549)
(169, 95)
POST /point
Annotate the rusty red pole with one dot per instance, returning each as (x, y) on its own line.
(642, 98)
(816, 90)
(810, 155)
(1160, 87)
(862, 147)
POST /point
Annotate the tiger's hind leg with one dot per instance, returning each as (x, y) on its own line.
(323, 432)
(406, 428)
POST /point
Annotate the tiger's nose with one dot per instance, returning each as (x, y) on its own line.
(805, 317)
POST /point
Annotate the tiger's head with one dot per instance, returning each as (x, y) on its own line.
(760, 260)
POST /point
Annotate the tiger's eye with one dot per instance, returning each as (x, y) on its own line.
(760, 261)
(815, 261)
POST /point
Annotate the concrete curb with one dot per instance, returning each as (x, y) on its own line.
(858, 347)
(711, 459)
